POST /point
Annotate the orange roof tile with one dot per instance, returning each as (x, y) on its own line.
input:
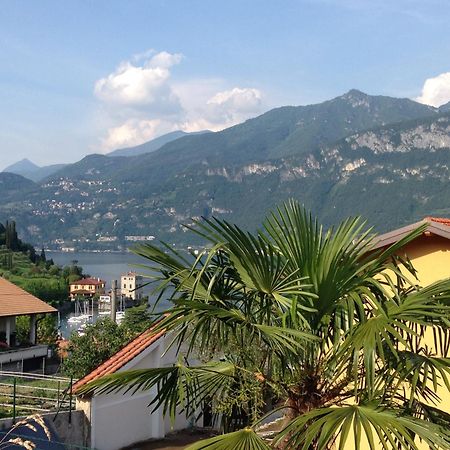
(14, 301)
(442, 220)
(122, 357)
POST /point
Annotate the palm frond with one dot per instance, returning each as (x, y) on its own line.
(372, 425)
(178, 387)
(245, 439)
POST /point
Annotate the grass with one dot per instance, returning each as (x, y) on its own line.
(36, 395)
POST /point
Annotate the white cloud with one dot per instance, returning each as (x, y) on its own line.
(224, 109)
(145, 85)
(236, 102)
(436, 91)
(140, 101)
(135, 132)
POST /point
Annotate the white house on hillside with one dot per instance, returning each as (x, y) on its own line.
(119, 420)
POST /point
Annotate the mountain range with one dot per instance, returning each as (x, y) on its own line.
(384, 158)
(32, 171)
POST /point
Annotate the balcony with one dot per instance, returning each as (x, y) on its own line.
(19, 354)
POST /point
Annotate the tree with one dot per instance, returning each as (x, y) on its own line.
(11, 239)
(47, 330)
(315, 322)
(99, 342)
(136, 321)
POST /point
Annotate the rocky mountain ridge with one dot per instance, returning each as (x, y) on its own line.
(386, 159)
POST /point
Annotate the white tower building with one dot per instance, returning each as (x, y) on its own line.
(131, 285)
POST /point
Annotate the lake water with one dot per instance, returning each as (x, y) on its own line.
(108, 267)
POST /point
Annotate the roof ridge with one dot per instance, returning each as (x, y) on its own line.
(126, 354)
(444, 220)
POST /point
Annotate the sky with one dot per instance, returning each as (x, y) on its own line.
(80, 77)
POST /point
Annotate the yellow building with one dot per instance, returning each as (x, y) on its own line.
(429, 253)
(430, 256)
(87, 287)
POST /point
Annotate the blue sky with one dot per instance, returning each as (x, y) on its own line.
(79, 77)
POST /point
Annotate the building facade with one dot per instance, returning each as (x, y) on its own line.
(87, 287)
(118, 420)
(131, 285)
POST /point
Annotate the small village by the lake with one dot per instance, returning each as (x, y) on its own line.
(225, 225)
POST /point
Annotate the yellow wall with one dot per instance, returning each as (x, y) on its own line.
(430, 256)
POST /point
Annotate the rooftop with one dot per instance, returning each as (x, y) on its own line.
(122, 357)
(88, 281)
(14, 301)
(442, 220)
(438, 226)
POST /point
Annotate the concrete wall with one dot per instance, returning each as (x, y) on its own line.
(76, 433)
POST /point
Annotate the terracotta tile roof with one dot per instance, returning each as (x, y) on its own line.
(435, 226)
(121, 358)
(442, 220)
(88, 281)
(14, 301)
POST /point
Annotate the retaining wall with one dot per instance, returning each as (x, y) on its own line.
(75, 433)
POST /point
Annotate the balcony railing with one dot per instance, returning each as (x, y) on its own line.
(15, 354)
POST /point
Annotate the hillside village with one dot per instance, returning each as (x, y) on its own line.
(371, 145)
(225, 225)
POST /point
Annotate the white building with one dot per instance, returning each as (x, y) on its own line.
(119, 420)
(131, 285)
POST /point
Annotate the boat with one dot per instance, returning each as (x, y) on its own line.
(80, 318)
(120, 315)
(75, 319)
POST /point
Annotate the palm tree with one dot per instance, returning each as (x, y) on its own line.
(314, 325)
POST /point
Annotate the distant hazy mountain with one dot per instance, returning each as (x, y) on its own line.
(24, 165)
(385, 158)
(14, 186)
(153, 145)
(33, 172)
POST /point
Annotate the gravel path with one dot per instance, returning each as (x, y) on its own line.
(177, 441)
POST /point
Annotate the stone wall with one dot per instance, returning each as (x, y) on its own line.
(74, 433)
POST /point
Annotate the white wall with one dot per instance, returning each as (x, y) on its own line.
(118, 420)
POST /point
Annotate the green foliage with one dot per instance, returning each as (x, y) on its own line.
(47, 330)
(23, 330)
(100, 341)
(35, 274)
(136, 320)
(315, 322)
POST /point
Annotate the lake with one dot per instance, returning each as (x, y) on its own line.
(108, 267)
